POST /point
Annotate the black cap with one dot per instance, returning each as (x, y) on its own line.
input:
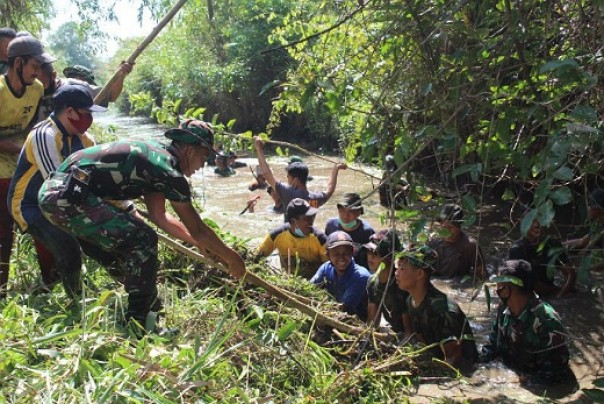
(352, 201)
(7, 32)
(298, 170)
(75, 96)
(381, 243)
(28, 46)
(451, 213)
(596, 199)
(299, 207)
(339, 238)
(516, 272)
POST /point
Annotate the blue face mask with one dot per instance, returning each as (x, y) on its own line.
(298, 232)
(347, 226)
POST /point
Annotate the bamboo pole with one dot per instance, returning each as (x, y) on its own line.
(107, 88)
(289, 298)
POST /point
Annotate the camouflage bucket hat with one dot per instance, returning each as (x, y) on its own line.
(516, 272)
(75, 71)
(422, 257)
(193, 132)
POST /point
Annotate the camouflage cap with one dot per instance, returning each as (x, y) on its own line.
(76, 71)
(295, 159)
(193, 132)
(422, 257)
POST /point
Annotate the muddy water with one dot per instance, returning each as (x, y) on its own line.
(223, 199)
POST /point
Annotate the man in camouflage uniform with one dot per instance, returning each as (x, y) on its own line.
(434, 317)
(527, 333)
(79, 198)
(385, 297)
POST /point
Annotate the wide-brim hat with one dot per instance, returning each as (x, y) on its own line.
(192, 132)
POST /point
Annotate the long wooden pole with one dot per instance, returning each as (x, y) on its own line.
(289, 298)
(107, 88)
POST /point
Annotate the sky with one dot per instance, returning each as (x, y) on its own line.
(128, 25)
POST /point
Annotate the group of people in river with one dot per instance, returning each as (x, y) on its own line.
(71, 195)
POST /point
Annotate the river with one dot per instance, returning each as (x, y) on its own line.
(222, 200)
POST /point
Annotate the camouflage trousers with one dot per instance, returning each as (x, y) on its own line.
(132, 243)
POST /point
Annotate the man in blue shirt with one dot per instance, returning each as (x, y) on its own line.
(342, 277)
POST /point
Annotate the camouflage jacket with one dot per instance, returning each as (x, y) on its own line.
(439, 319)
(534, 342)
(395, 301)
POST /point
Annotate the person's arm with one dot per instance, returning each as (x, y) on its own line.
(373, 316)
(577, 243)
(118, 85)
(156, 205)
(45, 152)
(354, 294)
(407, 324)
(266, 169)
(205, 238)
(319, 276)
(10, 147)
(571, 277)
(333, 179)
(267, 247)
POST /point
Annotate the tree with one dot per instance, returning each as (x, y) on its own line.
(73, 45)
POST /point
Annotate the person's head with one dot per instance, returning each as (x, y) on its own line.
(81, 73)
(451, 219)
(6, 35)
(349, 210)
(534, 232)
(414, 267)
(390, 163)
(297, 174)
(73, 106)
(221, 161)
(514, 277)
(48, 77)
(25, 57)
(340, 249)
(193, 141)
(260, 175)
(301, 216)
(381, 247)
(596, 203)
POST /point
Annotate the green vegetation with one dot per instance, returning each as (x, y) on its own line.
(234, 344)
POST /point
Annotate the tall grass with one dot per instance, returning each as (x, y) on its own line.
(233, 344)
